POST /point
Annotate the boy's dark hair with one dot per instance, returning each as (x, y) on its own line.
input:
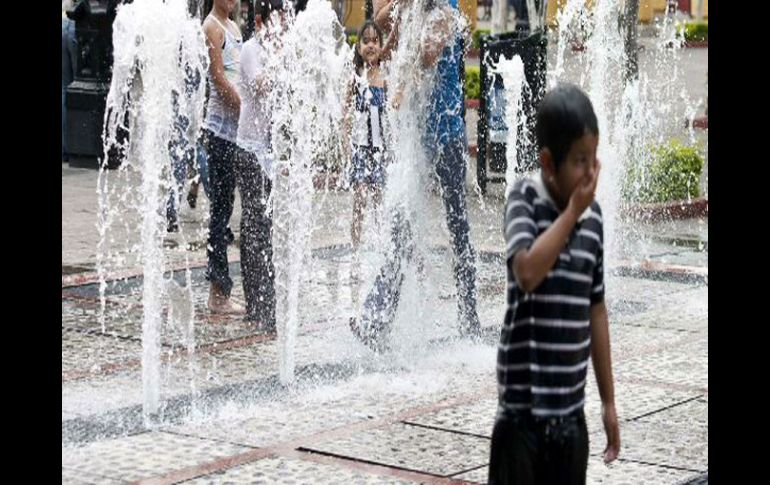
(357, 59)
(264, 8)
(564, 116)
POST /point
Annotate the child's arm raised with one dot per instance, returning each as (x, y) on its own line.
(440, 31)
(390, 44)
(383, 13)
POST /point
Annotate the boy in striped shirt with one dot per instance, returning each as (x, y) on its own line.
(556, 316)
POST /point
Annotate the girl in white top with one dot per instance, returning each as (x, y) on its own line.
(220, 130)
(255, 171)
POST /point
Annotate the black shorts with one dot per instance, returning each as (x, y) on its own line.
(527, 450)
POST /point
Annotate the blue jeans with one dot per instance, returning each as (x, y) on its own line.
(221, 164)
(451, 171)
(203, 165)
(181, 155)
(381, 302)
(257, 270)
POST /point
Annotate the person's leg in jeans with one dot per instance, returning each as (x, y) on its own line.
(179, 158)
(203, 179)
(246, 173)
(202, 169)
(264, 253)
(381, 302)
(256, 245)
(221, 154)
(451, 169)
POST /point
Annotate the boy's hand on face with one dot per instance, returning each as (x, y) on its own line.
(612, 430)
(585, 191)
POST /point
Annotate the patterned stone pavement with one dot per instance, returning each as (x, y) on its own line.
(423, 414)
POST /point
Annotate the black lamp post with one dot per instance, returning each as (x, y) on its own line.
(87, 94)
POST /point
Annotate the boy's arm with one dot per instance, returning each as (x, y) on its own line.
(531, 265)
(602, 361)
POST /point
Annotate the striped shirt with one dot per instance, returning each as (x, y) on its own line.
(542, 357)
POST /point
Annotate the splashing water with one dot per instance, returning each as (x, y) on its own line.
(632, 114)
(158, 50)
(312, 64)
(516, 87)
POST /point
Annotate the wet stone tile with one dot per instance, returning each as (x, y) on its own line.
(291, 471)
(85, 316)
(631, 340)
(88, 397)
(641, 289)
(631, 401)
(694, 413)
(145, 455)
(477, 418)
(683, 365)
(659, 444)
(617, 473)
(412, 447)
(629, 473)
(71, 476)
(86, 352)
(299, 416)
(477, 475)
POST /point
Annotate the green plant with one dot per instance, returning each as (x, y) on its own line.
(472, 82)
(352, 39)
(476, 38)
(694, 31)
(672, 172)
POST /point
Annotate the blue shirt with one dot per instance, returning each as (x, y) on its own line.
(69, 56)
(445, 116)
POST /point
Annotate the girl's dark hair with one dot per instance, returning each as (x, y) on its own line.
(564, 115)
(207, 7)
(357, 59)
(264, 8)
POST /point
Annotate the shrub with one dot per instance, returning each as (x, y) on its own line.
(673, 173)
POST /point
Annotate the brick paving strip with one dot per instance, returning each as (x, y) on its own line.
(296, 449)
